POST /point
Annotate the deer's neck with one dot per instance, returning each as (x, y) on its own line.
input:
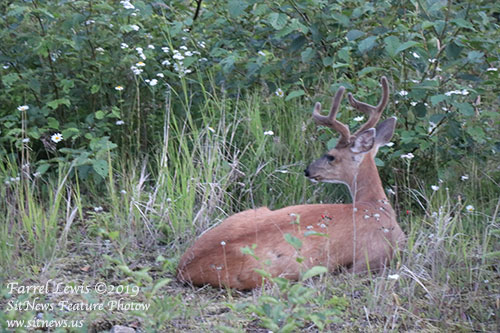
(366, 186)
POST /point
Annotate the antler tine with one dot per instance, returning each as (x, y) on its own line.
(330, 120)
(374, 112)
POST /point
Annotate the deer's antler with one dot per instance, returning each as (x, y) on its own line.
(373, 112)
(331, 121)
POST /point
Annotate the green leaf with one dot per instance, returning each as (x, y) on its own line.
(61, 101)
(42, 168)
(236, 7)
(316, 270)
(367, 44)
(100, 167)
(100, 115)
(460, 22)
(475, 57)
(477, 133)
(113, 235)
(368, 70)
(307, 55)
(263, 273)
(294, 94)
(94, 89)
(52, 123)
(465, 108)
(10, 79)
(331, 143)
(406, 45)
(293, 241)
(420, 110)
(354, 34)
(69, 132)
(391, 45)
(158, 285)
(314, 233)
(436, 99)
(277, 20)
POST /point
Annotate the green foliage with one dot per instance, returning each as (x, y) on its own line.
(99, 70)
(295, 305)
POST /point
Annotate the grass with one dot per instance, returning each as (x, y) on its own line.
(131, 229)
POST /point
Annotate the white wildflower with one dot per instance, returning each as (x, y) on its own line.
(119, 122)
(135, 70)
(389, 144)
(403, 93)
(126, 4)
(23, 108)
(183, 48)
(160, 75)
(413, 103)
(153, 82)
(223, 243)
(270, 133)
(261, 53)
(151, 47)
(464, 178)
(165, 63)
(98, 209)
(135, 27)
(26, 140)
(140, 64)
(492, 69)
(165, 49)
(279, 92)
(100, 50)
(433, 60)
(359, 118)
(408, 156)
(178, 56)
(201, 44)
(203, 60)
(415, 55)
(434, 188)
(469, 208)
(119, 88)
(124, 46)
(188, 54)
(393, 277)
(56, 137)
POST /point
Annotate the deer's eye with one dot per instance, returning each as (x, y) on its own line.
(330, 158)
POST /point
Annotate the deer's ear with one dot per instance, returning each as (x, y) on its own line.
(385, 130)
(364, 141)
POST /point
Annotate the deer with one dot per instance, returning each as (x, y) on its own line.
(358, 237)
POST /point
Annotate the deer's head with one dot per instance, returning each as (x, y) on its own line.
(341, 164)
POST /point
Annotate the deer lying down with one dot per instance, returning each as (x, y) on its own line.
(360, 236)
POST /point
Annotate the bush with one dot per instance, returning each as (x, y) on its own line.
(98, 73)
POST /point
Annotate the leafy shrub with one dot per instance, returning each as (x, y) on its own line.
(97, 73)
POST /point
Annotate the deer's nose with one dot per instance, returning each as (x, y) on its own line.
(306, 172)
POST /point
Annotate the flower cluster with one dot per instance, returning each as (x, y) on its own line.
(463, 92)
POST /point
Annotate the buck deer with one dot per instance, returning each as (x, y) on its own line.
(360, 236)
